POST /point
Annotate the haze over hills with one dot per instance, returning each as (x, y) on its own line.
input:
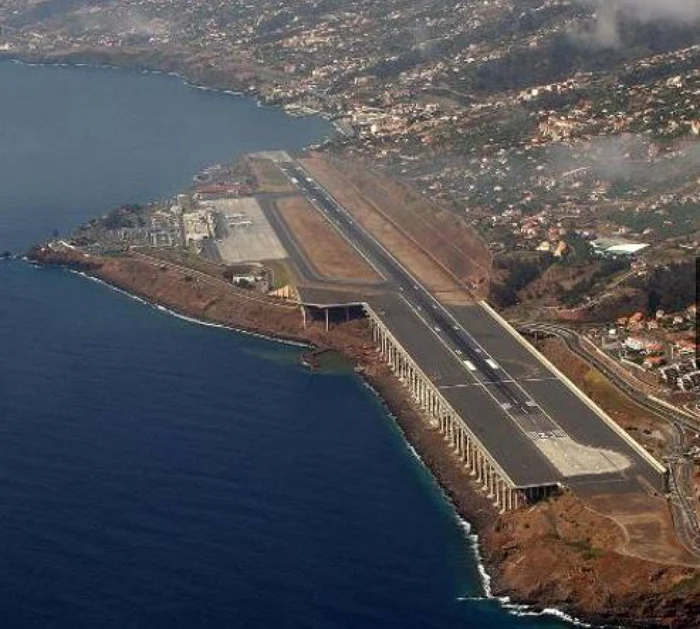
(541, 121)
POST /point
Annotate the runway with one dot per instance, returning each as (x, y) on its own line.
(539, 430)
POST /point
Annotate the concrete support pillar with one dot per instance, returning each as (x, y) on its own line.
(497, 493)
(429, 399)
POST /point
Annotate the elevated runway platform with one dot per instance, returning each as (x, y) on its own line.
(568, 442)
(517, 423)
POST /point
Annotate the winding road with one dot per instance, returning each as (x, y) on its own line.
(680, 480)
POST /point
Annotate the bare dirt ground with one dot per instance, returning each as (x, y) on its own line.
(644, 520)
(443, 235)
(441, 281)
(330, 254)
(564, 551)
(647, 527)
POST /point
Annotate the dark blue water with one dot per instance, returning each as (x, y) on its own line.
(158, 473)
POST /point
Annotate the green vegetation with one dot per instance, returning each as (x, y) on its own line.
(671, 222)
(520, 270)
(586, 550)
(671, 287)
(280, 274)
(124, 216)
(592, 274)
(691, 582)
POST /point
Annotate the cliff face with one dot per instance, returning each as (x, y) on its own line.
(559, 553)
(193, 294)
(65, 256)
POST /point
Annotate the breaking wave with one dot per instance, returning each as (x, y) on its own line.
(178, 315)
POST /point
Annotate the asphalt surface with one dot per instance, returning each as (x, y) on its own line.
(509, 398)
(416, 296)
(295, 249)
(681, 484)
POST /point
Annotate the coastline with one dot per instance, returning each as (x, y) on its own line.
(231, 85)
(503, 547)
(512, 547)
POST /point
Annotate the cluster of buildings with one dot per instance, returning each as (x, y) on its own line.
(682, 375)
(664, 344)
(199, 225)
(448, 95)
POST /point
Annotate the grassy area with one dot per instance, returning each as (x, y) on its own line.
(691, 582)
(607, 395)
(281, 275)
(586, 550)
(268, 177)
(188, 259)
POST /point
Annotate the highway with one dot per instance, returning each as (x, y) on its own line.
(510, 396)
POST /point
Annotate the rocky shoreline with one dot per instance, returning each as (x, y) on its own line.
(239, 78)
(535, 555)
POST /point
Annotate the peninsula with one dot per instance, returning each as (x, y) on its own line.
(571, 491)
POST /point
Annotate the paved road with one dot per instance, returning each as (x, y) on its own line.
(681, 485)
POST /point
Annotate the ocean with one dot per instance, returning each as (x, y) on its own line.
(159, 473)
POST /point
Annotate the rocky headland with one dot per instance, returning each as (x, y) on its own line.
(560, 553)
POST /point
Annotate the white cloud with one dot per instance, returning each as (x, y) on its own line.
(604, 31)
